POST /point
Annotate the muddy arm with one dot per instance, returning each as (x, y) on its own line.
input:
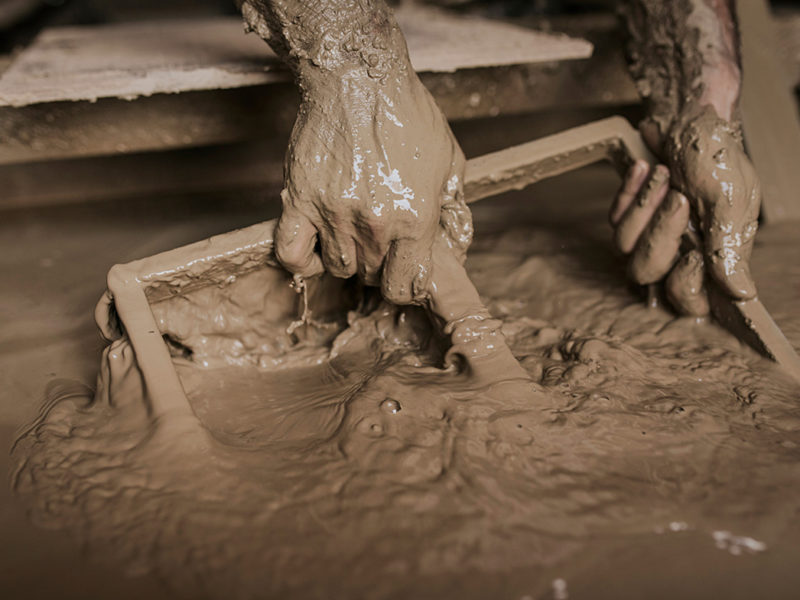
(372, 168)
(318, 39)
(683, 53)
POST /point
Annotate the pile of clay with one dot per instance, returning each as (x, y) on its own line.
(349, 463)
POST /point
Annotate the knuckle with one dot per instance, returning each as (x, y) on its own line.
(375, 224)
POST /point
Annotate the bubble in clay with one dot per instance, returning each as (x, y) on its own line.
(391, 406)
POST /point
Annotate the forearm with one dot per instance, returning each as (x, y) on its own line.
(325, 39)
(684, 55)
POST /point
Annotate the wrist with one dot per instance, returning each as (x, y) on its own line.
(722, 82)
(666, 129)
(348, 83)
(703, 120)
(370, 55)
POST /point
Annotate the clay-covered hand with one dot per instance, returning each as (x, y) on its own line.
(373, 174)
(708, 186)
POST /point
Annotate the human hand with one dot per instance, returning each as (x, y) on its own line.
(373, 174)
(708, 172)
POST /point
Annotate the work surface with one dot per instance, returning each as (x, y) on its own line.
(555, 235)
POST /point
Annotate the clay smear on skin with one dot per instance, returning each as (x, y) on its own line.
(379, 465)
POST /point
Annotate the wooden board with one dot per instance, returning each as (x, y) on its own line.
(140, 59)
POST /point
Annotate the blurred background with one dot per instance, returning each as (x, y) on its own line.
(59, 147)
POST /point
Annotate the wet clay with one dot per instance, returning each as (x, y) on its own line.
(686, 61)
(710, 166)
(354, 458)
(681, 54)
(373, 173)
(368, 471)
(222, 260)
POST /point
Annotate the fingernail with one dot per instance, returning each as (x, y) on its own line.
(674, 201)
(661, 174)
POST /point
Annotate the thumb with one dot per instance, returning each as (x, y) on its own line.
(728, 245)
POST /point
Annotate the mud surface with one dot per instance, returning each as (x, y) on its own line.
(659, 459)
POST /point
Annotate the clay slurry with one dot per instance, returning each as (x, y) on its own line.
(359, 455)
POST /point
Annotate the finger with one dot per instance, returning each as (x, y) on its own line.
(295, 237)
(631, 185)
(338, 253)
(728, 248)
(406, 271)
(657, 249)
(685, 288)
(638, 215)
(370, 262)
(651, 135)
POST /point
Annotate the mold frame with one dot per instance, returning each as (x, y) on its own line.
(132, 287)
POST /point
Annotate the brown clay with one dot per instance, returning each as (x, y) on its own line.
(340, 458)
(358, 467)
